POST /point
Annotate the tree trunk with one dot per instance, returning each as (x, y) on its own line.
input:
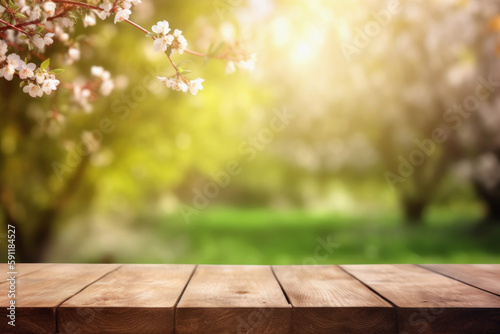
(414, 210)
(44, 234)
(491, 200)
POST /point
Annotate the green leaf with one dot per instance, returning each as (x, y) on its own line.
(45, 64)
(179, 64)
(22, 84)
(186, 71)
(58, 70)
(39, 29)
(21, 15)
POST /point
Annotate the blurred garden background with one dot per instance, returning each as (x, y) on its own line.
(368, 132)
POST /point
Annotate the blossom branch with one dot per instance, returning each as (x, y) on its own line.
(77, 3)
(137, 26)
(13, 27)
(27, 23)
(39, 80)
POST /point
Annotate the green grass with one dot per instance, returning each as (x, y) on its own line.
(262, 236)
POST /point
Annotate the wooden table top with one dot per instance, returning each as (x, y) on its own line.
(172, 298)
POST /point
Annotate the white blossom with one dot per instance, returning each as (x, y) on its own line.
(102, 14)
(27, 71)
(49, 8)
(3, 49)
(107, 87)
(162, 43)
(38, 81)
(34, 13)
(60, 34)
(106, 5)
(179, 43)
(195, 85)
(49, 85)
(175, 82)
(40, 77)
(96, 71)
(121, 15)
(33, 90)
(40, 42)
(73, 55)
(89, 20)
(107, 84)
(161, 27)
(247, 64)
(48, 38)
(14, 63)
(66, 22)
(81, 97)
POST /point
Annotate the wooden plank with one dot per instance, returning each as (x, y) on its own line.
(325, 299)
(22, 269)
(39, 293)
(431, 303)
(233, 299)
(132, 299)
(483, 276)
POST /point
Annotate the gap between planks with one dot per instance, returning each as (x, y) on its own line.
(281, 286)
(86, 286)
(396, 308)
(180, 297)
(457, 279)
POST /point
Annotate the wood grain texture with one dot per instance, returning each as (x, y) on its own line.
(483, 276)
(22, 269)
(40, 292)
(431, 303)
(233, 299)
(94, 298)
(325, 299)
(132, 299)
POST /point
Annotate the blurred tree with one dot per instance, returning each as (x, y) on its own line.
(480, 140)
(60, 158)
(429, 60)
